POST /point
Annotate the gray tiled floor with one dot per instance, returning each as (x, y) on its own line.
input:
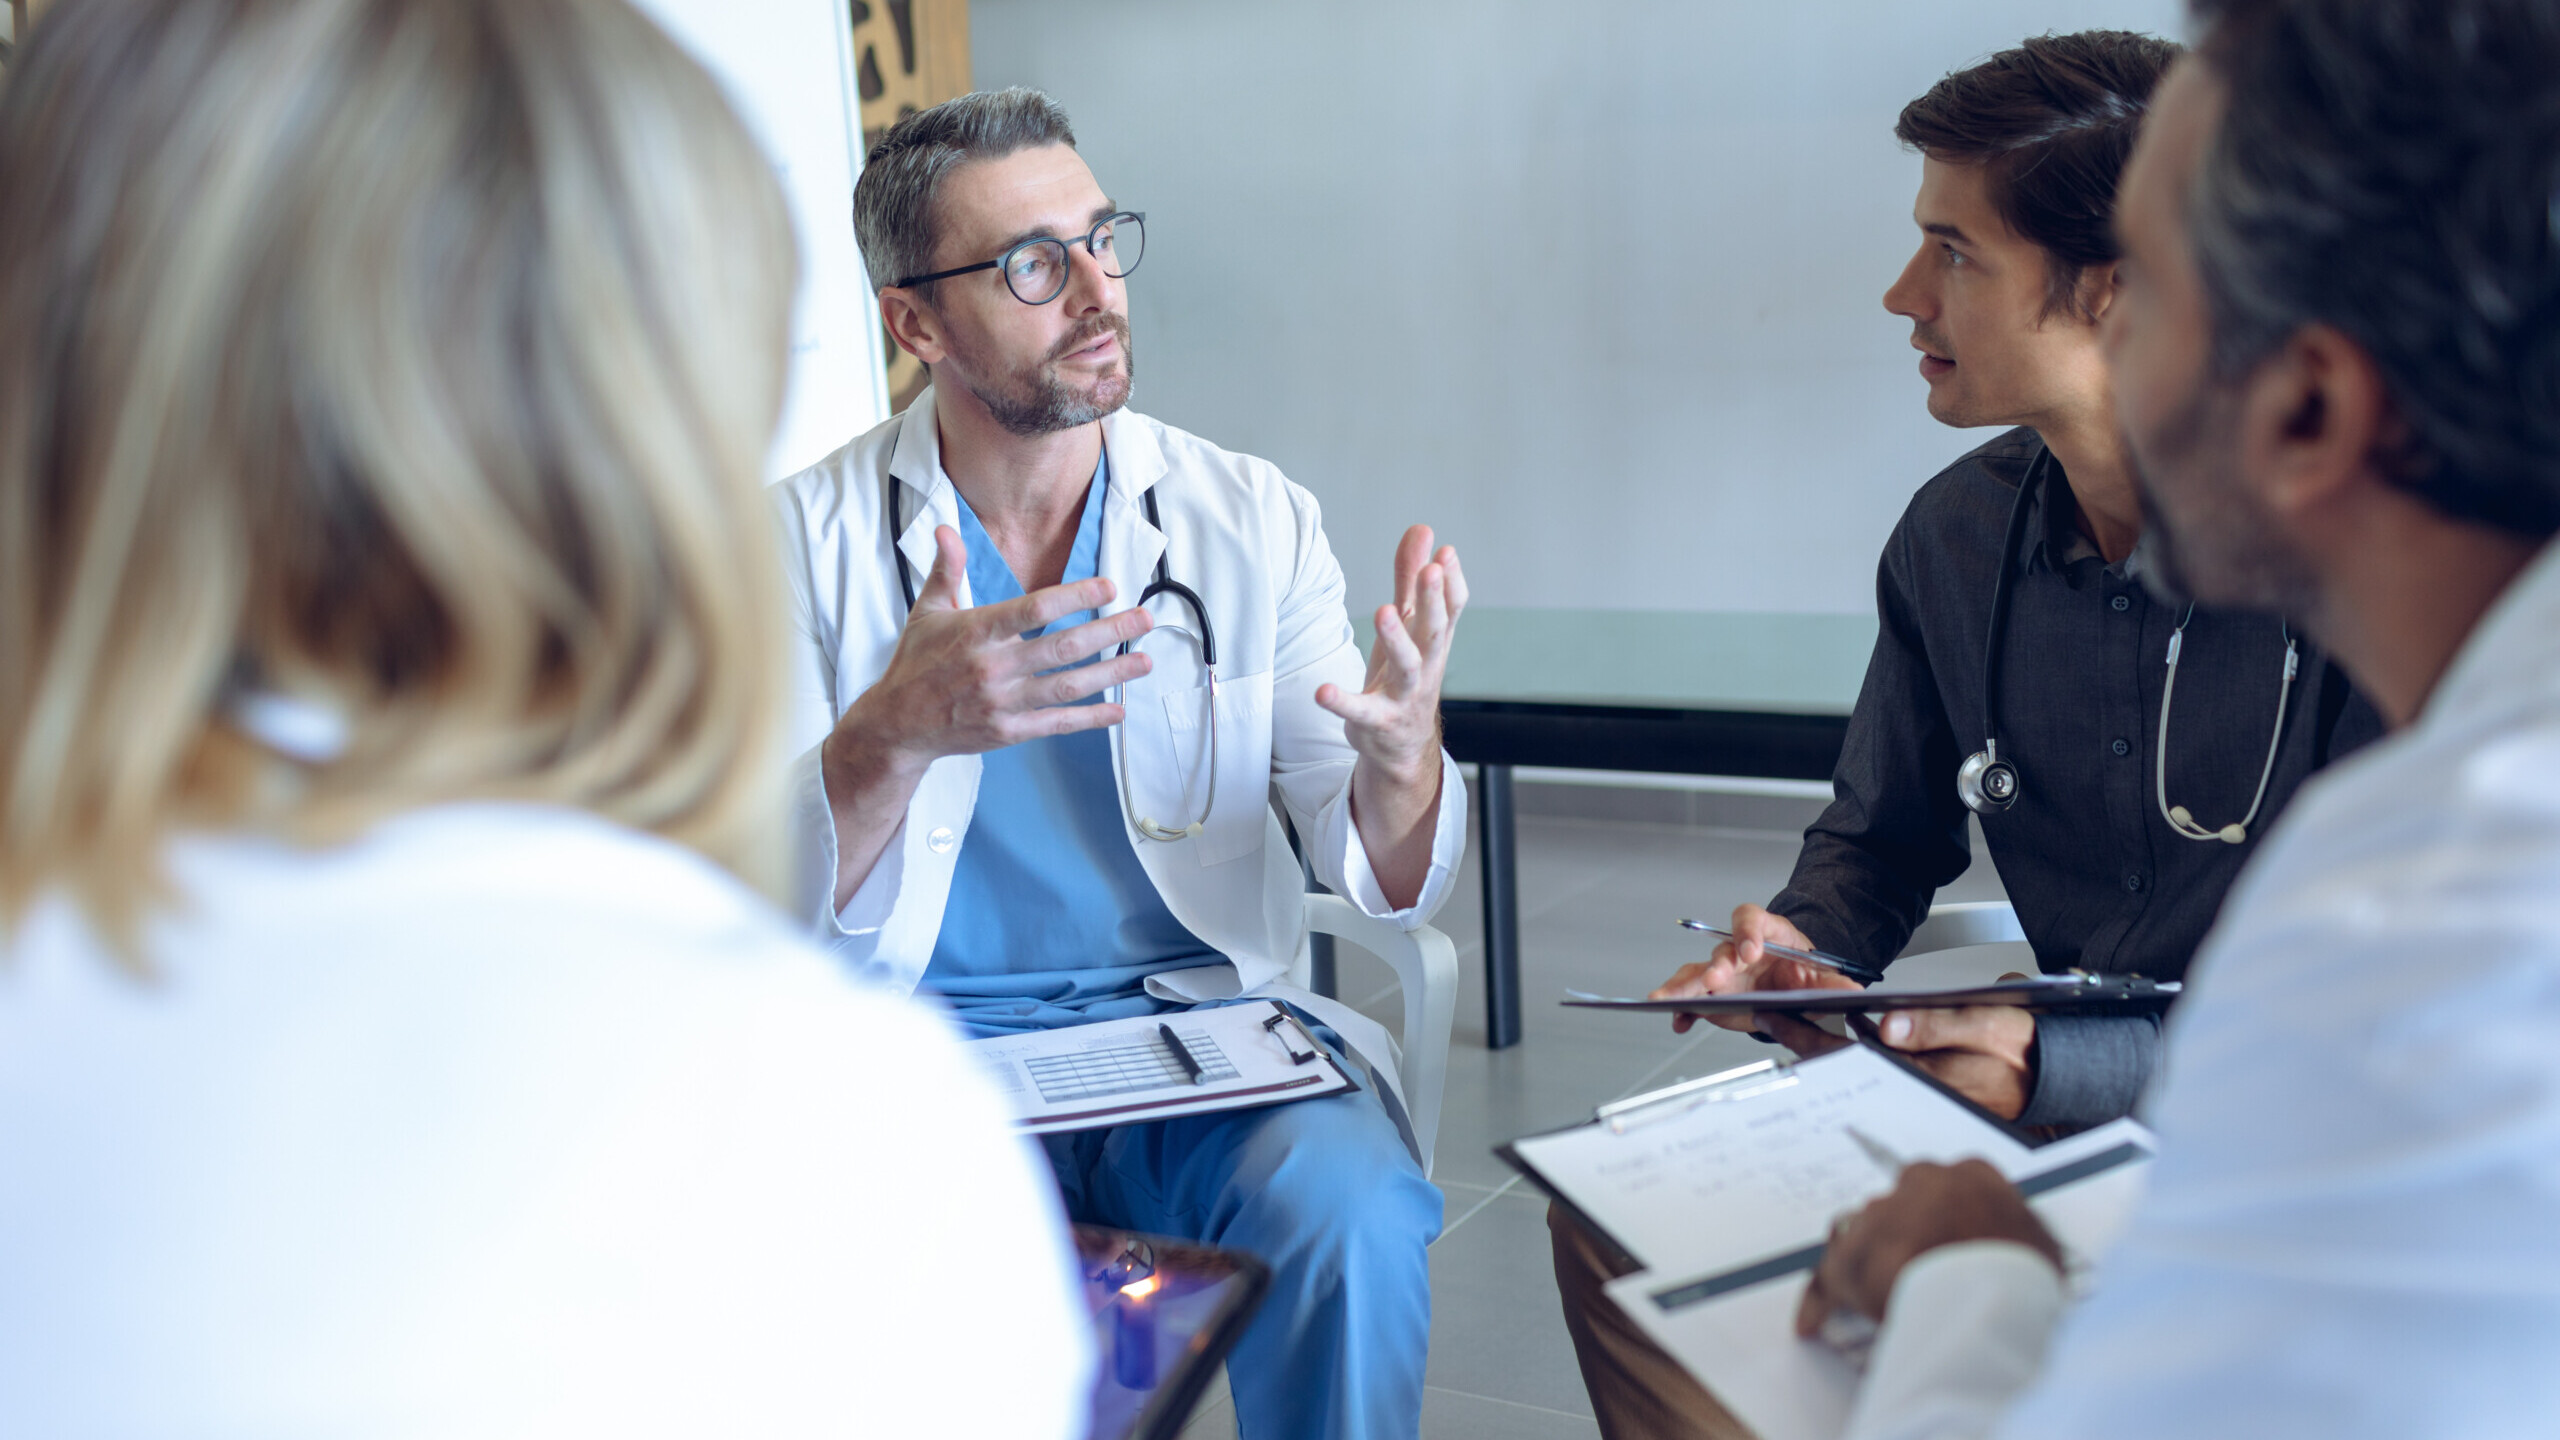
(1597, 901)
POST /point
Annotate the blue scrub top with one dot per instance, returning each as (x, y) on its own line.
(1051, 920)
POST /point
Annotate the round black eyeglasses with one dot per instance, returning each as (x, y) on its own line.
(1036, 270)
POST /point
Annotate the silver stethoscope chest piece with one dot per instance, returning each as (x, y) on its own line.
(1987, 783)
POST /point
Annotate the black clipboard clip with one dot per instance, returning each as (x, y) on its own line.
(1271, 1027)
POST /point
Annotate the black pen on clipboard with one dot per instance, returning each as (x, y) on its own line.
(1181, 1052)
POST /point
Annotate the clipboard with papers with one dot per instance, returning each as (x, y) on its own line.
(2072, 994)
(1722, 1191)
(1159, 1067)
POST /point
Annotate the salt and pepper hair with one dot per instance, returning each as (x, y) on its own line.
(2392, 168)
(2052, 123)
(893, 202)
(417, 361)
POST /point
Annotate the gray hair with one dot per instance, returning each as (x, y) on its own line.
(2392, 168)
(893, 203)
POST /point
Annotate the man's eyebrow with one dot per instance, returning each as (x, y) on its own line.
(1101, 213)
(1947, 232)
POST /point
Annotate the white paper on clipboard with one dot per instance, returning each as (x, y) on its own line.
(1740, 1340)
(1122, 1072)
(1686, 1180)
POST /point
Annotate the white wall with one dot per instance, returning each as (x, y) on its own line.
(785, 66)
(1593, 288)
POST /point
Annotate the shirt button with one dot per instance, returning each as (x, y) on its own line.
(941, 840)
(2133, 882)
(2122, 603)
(2122, 747)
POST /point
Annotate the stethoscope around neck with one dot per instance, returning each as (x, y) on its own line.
(1989, 784)
(1205, 639)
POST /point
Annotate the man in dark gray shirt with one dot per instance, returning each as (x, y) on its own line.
(2126, 816)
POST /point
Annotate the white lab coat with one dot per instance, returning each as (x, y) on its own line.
(1252, 544)
(2349, 1230)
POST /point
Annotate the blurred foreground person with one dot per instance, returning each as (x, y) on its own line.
(2335, 355)
(389, 697)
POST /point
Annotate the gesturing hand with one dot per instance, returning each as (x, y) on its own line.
(1932, 1205)
(965, 681)
(1395, 719)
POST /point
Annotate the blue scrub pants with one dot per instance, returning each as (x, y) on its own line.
(1325, 1193)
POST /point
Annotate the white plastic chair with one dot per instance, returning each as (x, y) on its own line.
(1426, 964)
(1966, 922)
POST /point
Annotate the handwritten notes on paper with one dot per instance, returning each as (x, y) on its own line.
(1705, 1178)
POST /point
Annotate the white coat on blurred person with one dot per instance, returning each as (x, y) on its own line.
(389, 1046)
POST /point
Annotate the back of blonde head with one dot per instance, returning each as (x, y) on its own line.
(415, 358)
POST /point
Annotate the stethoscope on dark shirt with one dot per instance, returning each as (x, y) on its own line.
(1988, 784)
(1206, 637)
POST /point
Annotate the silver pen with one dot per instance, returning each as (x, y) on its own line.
(1886, 1160)
(1840, 964)
(1850, 1333)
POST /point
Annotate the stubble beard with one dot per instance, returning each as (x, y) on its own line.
(2214, 544)
(1036, 400)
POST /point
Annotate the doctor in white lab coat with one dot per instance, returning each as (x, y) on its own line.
(1253, 546)
(991, 708)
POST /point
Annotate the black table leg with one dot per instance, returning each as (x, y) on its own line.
(1495, 857)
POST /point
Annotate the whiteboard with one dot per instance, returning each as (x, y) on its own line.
(787, 67)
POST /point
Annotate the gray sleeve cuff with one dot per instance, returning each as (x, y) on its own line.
(2090, 1068)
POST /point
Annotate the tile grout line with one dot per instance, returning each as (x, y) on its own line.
(1476, 1209)
(1514, 1404)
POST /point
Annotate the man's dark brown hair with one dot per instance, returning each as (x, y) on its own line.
(2051, 123)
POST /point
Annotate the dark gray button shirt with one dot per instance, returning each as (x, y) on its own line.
(2099, 879)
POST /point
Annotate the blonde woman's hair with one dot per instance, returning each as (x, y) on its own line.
(417, 359)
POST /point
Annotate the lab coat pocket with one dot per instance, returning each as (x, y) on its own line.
(1240, 741)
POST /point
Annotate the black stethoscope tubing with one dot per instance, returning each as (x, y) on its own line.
(1994, 646)
(1207, 638)
(1163, 584)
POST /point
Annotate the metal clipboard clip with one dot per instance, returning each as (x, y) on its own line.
(1743, 1082)
(1271, 1027)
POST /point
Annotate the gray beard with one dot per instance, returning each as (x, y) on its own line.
(1037, 402)
(2225, 554)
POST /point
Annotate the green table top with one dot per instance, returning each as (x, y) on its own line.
(1678, 659)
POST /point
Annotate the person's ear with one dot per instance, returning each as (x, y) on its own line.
(2313, 418)
(913, 324)
(2096, 290)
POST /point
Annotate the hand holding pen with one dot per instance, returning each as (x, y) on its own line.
(1930, 1205)
(1763, 952)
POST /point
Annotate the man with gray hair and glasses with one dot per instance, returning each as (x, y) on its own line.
(2336, 353)
(1055, 658)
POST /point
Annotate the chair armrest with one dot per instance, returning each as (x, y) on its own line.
(1426, 966)
(1968, 922)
